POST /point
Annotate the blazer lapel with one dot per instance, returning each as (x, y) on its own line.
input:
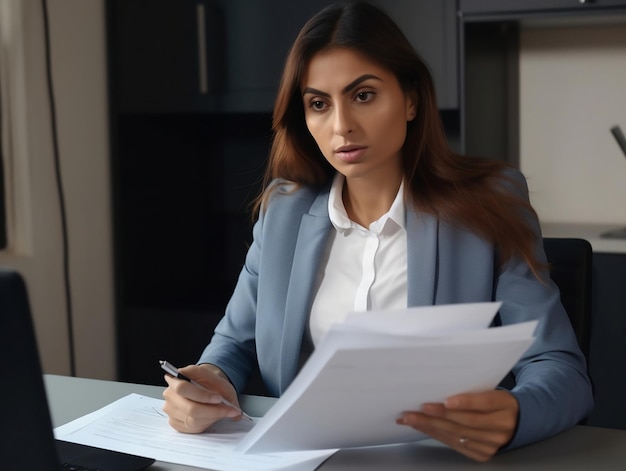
(312, 236)
(422, 250)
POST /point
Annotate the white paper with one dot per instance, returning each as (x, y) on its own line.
(424, 320)
(356, 383)
(136, 424)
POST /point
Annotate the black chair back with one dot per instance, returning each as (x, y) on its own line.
(570, 261)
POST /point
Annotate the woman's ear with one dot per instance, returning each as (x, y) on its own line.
(411, 113)
(411, 106)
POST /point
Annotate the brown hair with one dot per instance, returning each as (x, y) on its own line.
(466, 191)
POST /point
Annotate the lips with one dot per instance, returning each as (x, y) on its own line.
(350, 153)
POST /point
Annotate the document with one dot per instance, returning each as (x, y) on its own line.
(136, 424)
(363, 375)
(423, 320)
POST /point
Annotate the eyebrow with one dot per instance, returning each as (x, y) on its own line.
(351, 86)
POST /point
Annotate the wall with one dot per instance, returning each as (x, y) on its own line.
(572, 90)
(79, 76)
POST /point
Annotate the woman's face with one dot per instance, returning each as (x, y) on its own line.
(357, 113)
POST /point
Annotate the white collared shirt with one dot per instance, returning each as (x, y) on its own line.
(362, 269)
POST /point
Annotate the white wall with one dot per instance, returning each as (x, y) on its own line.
(572, 90)
(79, 75)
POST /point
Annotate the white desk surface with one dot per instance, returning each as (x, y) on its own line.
(581, 448)
(591, 232)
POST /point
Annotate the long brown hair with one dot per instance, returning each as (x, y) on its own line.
(466, 191)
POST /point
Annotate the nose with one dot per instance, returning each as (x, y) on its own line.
(343, 120)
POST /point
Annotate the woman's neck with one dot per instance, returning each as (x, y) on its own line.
(366, 201)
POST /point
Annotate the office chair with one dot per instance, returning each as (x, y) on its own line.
(570, 261)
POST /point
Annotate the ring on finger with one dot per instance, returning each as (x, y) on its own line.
(463, 441)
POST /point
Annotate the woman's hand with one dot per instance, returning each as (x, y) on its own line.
(475, 424)
(192, 409)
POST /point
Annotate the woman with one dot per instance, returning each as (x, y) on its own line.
(366, 207)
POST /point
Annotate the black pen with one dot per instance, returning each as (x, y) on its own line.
(173, 371)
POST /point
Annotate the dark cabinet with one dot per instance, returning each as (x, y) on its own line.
(477, 7)
(607, 359)
(200, 55)
(165, 55)
(227, 55)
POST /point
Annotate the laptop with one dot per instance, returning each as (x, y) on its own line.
(26, 436)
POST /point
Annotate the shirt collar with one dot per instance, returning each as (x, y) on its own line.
(339, 216)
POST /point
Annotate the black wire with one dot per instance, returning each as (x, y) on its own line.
(59, 182)
(3, 216)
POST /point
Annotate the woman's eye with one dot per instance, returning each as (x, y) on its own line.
(317, 105)
(364, 96)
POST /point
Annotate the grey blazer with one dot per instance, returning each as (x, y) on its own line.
(267, 314)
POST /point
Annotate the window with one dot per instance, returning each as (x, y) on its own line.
(15, 212)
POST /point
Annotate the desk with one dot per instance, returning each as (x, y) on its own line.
(581, 448)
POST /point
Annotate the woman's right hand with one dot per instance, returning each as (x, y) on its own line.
(192, 409)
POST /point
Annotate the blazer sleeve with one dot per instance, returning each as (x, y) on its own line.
(252, 330)
(552, 385)
(232, 347)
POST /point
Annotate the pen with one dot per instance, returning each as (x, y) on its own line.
(173, 371)
(619, 137)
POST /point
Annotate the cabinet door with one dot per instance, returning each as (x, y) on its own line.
(468, 7)
(258, 35)
(608, 349)
(430, 26)
(165, 55)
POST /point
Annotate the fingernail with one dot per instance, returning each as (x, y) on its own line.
(214, 399)
(451, 403)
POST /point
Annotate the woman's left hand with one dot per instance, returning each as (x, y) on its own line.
(475, 424)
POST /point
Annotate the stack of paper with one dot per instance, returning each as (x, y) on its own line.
(375, 365)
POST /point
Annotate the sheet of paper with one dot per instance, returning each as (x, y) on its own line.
(136, 424)
(424, 320)
(350, 395)
(340, 337)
